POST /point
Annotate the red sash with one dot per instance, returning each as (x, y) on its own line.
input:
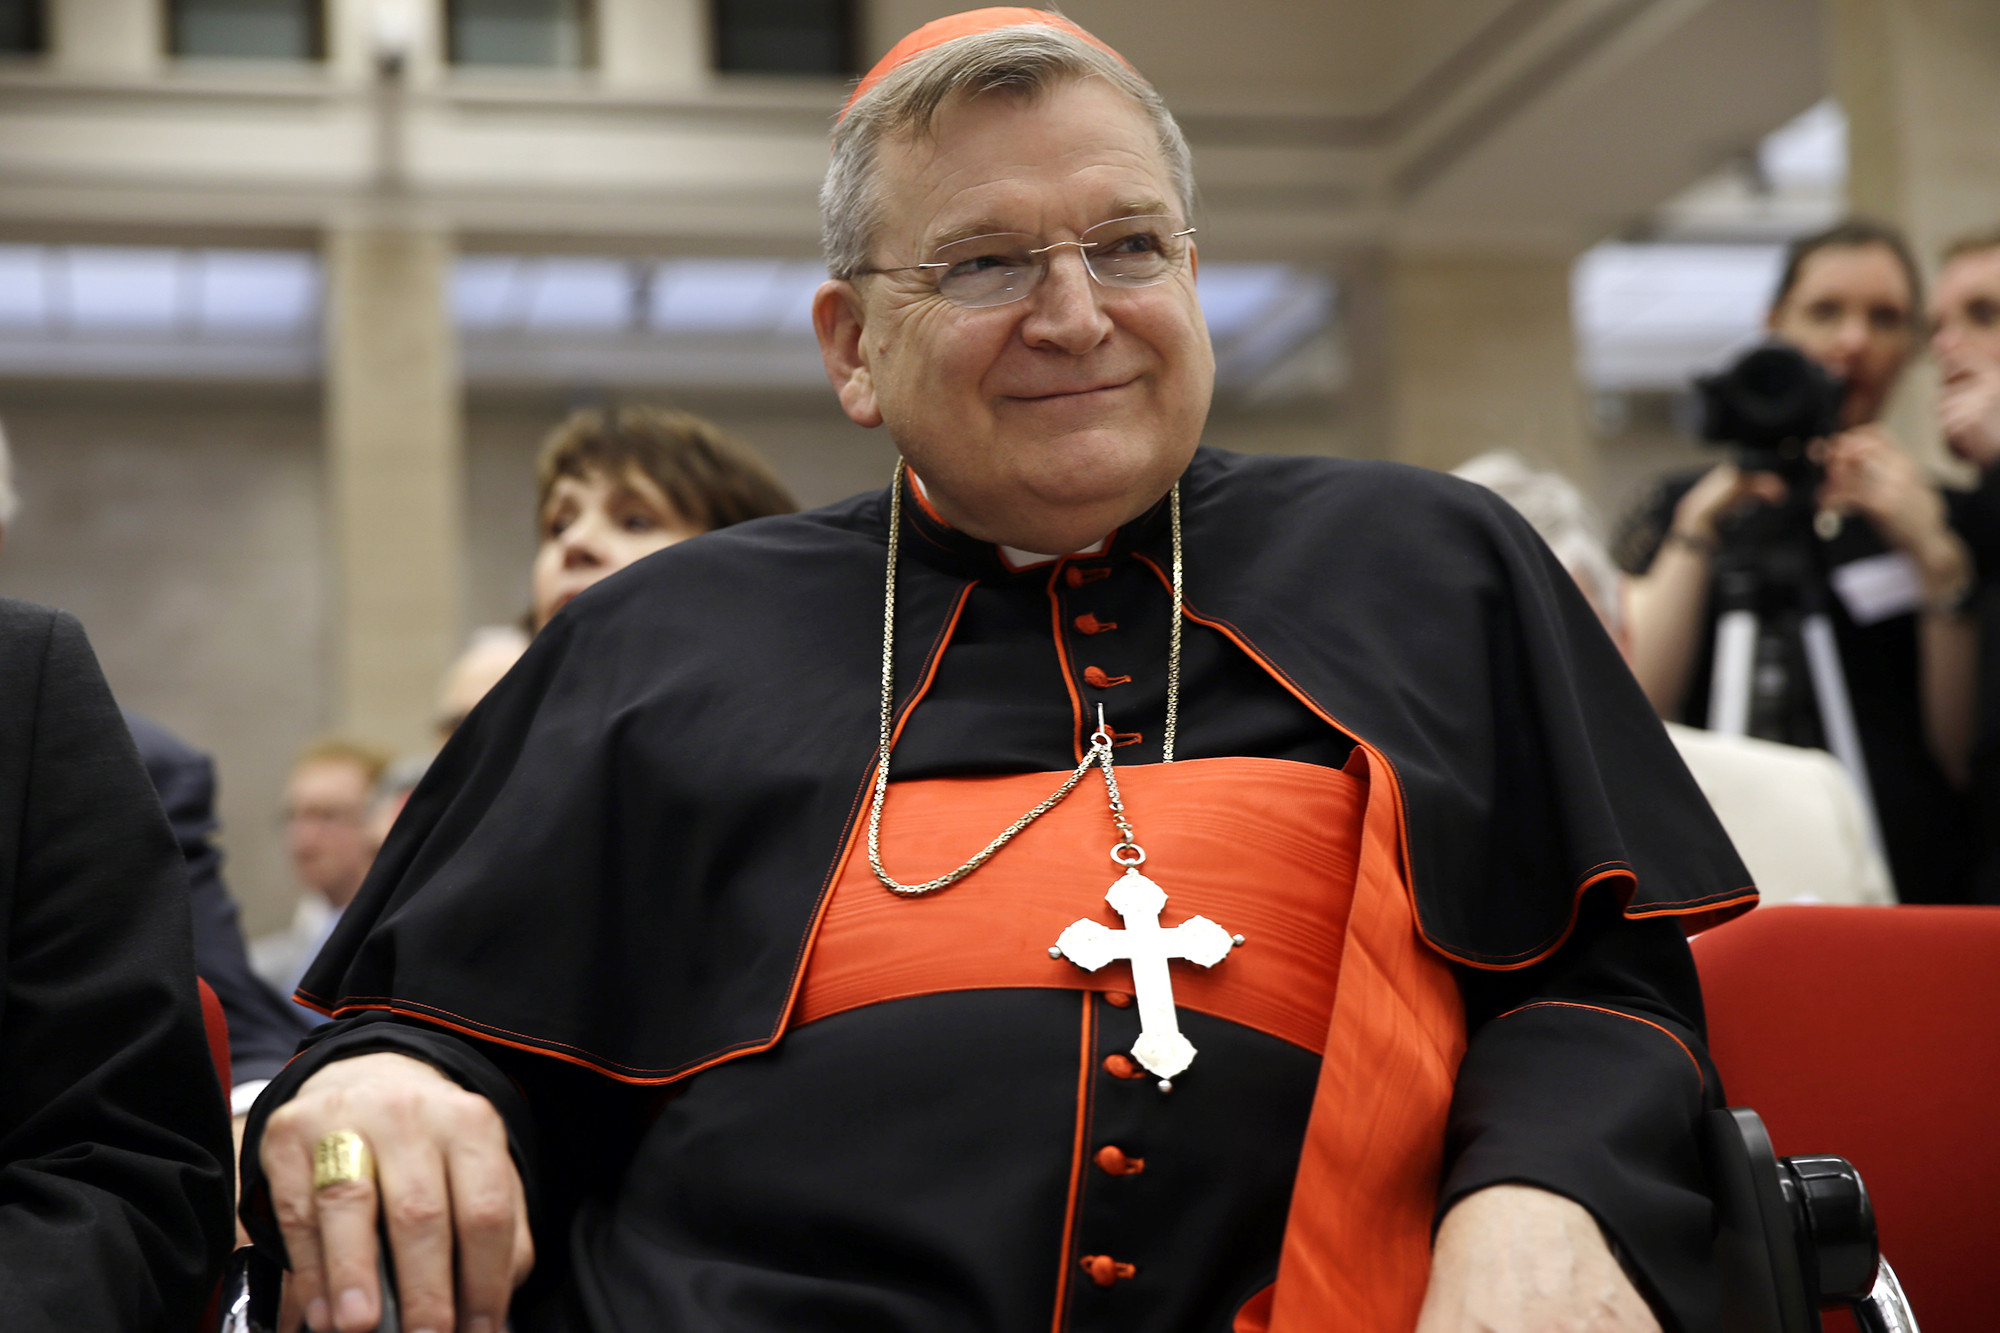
(1304, 862)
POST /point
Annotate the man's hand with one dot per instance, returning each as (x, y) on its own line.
(1515, 1259)
(444, 1180)
(1969, 413)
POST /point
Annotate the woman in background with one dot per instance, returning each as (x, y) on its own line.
(615, 485)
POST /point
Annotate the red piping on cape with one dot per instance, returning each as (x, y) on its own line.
(1495, 963)
(629, 1074)
(1700, 1077)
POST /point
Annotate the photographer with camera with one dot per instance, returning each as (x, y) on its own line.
(1965, 343)
(1827, 526)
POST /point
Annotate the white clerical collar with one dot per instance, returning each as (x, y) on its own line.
(1015, 557)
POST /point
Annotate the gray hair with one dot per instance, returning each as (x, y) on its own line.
(1559, 514)
(1023, 60)
(10, 502)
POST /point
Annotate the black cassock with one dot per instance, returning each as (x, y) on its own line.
(597, 906)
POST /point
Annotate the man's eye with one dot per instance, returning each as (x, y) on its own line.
(639, 523)
(995, 260)
(1137, 243)
(1983, 312)
(1887, 319)
(553, 528)
(1824, 312)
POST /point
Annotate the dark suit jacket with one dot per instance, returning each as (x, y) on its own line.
(114, 1137)
(264, 1028)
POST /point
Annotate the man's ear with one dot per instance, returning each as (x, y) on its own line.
(837, 320)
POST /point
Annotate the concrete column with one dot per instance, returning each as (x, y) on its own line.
(653, 46)
(1920, 82)
(395, 462)
(357, 30)
(115, 37)
(1456, 353)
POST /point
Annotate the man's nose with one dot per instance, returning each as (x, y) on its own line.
(1944, 340)
(1066, 312)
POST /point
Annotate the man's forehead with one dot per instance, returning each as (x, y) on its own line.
(986, 223)
(1975, 271)
(1079, 155)
(323, 771)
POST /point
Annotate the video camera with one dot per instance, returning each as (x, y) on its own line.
(1768, 407)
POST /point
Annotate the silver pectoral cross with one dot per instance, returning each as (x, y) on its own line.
(1161, 1048)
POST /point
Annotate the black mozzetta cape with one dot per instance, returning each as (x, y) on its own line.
(618, 861)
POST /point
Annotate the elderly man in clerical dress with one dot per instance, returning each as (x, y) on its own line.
(1094, 882)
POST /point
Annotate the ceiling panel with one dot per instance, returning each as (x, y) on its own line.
(1344, 57)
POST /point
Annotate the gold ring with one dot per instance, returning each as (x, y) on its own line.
(340, 1157)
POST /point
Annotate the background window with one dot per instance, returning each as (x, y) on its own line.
(20, 27)
(550, 34)
(785, 36)
(245, 29)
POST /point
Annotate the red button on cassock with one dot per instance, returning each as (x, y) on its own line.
(1104, 1270)
(1118, 999)
(1077, 576)
(1090, 624)
(1121, 1066)
(1097, 680)
(1112, 1161)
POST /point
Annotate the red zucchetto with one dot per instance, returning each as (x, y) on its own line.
(953, 26)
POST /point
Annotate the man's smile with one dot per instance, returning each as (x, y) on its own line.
(1079, 392)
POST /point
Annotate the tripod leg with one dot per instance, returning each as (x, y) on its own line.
(1836, 712)
(1729, 683)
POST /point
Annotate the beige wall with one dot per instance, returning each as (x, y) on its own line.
(186, 529)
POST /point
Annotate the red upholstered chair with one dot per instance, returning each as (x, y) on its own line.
(1874, 1033)
(217, 1024)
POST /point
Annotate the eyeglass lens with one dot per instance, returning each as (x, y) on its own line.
(998, 269)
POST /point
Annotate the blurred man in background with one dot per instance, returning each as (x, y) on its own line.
(490, 651)
(1965, 340)
(331, 840)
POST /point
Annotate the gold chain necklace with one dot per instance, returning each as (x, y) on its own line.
(1126, 852)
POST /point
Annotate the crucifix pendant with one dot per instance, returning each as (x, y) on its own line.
(1161, 1048)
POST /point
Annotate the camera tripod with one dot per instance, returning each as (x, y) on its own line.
(1773, 598)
